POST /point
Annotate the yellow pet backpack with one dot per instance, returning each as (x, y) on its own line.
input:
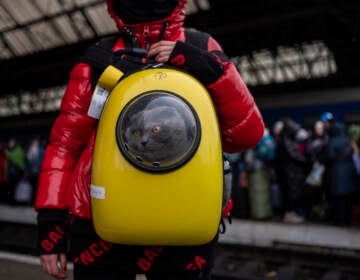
(157, 171)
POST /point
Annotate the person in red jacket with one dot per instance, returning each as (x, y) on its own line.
(64, 183)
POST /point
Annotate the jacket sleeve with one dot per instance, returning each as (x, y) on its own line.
(240, 120)
(68, 137)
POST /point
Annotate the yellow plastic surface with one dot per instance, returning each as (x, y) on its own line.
(110, 77)
(181, 207)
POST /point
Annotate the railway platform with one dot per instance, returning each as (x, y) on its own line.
(247, 248)
(248, 232)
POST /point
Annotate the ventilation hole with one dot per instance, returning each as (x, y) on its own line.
(139, 158)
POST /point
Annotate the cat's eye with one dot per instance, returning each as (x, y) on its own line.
(137, 133)
(156, 129)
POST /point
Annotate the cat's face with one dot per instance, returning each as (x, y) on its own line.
(157, 134)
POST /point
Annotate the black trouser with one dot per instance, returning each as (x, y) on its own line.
(94, 273)
(341, 209)
(96, 259)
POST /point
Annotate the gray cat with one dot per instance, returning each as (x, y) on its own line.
(157, 134)
(164, 137)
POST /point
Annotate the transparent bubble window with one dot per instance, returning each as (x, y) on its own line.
(158, 131)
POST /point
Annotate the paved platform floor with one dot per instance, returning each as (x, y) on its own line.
(268, 233)
(241, 232)
(247, 232)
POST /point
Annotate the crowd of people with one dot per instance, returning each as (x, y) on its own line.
(299, 174)
(20, 163)
(295, 174)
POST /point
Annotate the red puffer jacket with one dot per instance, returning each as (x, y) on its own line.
(65, 174)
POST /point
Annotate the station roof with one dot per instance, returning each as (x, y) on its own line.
(281, 45)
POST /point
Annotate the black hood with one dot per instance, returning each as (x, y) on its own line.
(138, 11)
(290, 128)
(337, 129)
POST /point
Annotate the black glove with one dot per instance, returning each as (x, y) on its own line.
(201, 64)
(53, 226)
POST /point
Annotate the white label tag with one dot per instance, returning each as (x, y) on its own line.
(97, 102)
(97, 192)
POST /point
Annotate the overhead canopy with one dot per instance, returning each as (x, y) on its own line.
(278, 44)
(31, 26)
(36, 25)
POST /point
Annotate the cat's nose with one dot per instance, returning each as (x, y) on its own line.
(144, 142)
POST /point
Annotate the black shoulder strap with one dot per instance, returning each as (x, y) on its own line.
(197, 38)
(100, 55)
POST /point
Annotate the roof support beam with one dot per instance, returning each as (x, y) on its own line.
(48, 20)
(17, 26)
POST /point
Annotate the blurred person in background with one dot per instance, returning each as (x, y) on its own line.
(317, 204)
(340, 178)
(316, 141)
(276, 129)
(34, 156)
(23, 192)
(328, 119)
(16, 163)
(292, 167)
(276, 192)
(258, 161)
(354, 133)
(3, 183)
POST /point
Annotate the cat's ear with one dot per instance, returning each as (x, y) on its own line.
(167, 112)
(136, 117)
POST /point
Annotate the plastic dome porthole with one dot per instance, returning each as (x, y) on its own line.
(158, 131)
